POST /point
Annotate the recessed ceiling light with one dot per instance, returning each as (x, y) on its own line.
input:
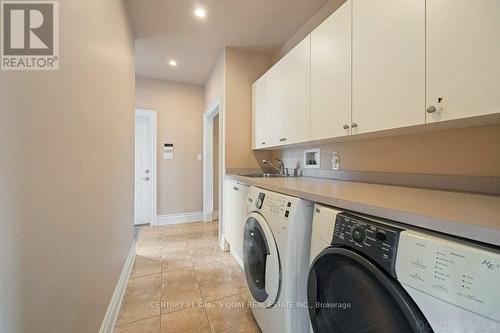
(172, 63)
(200, 12)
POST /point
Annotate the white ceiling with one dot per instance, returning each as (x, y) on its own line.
(166, 29)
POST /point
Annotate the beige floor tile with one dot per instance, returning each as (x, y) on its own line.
(211, 271)
(172, 262)
(204, 243)
(195, 235)
(150, 325)
(228, 312)
(177, 278)
(185, 321)
(177, 237)
(174, 243)
(139, 307)
(181, 249)
(217, 288)
(248, 327)
(144, 285)
(146, 263)
(184, 296)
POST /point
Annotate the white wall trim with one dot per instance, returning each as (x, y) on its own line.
(216, 108)
(109, 321)
(152, 114)
(179, 218)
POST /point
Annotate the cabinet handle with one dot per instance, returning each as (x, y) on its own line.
(354, 125)
(282, 139)
(431, 109)
(345, 126)
(235, 188)
(263, 143)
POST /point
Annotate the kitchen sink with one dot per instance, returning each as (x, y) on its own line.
(264, 175)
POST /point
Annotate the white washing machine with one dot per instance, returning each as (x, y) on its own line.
(276, 247)
(370, 275)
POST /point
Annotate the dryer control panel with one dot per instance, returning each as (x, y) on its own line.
(458, 273)
(377, 241)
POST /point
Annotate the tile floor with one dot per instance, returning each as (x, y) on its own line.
(182, 282)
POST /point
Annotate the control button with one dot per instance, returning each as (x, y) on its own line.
(289, 204)
(358, 233)
(381, 236)
(287, 213)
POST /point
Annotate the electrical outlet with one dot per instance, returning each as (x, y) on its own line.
(335, 161)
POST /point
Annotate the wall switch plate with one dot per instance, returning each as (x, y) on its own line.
(335, 161)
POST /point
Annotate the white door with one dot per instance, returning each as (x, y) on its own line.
(144, 182)
(331, 75)
(463, 58)
(388, 64)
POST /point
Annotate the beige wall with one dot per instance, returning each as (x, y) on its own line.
(66, 194)
(242, 68)
(214, 87)
(471, 151)
(179, 112)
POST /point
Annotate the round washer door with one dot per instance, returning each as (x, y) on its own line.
(348, 293)
(261, 261)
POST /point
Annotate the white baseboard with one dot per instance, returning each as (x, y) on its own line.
(209, 217)
(179, 218)
(109, 321)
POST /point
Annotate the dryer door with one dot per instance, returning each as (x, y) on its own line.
(349, 293)
(261, 261)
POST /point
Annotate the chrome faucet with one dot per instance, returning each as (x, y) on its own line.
(280, 167)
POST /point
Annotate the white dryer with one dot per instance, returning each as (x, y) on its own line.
(372, 275)
(276, 245)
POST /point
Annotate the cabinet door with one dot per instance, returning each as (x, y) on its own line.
(463, 58)
(289, 95)
(388, 64)
(235, 196)
(331, 75)
(259, 113)
(237, 245)
(230, 204)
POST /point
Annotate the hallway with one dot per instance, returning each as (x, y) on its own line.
(182, 282)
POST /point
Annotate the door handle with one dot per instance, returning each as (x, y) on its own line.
(147, 171)
(235, 188)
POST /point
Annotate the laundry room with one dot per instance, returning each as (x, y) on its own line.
(235, 166)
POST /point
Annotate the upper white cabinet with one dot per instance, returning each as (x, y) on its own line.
(377, 65)
(388, 64)
(259, 113)
(289, 95)
(463, 58)
(331, 75)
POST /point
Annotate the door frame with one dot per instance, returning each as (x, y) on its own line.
(214, 109)
(152, 117)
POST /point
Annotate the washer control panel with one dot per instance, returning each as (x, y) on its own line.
(377, 241)
(279, 205)
(458, 273)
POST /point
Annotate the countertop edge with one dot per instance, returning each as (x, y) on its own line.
(449, 227)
